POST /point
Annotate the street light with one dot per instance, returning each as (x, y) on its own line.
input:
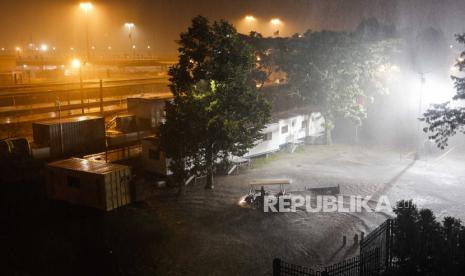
(131, 27)
(276, 22)
(249, 18)
(76, 63)
(44, 47)
(86, 7)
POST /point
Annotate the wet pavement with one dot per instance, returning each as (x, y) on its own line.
(207, 232)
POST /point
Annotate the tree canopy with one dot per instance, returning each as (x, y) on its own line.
(443, 120)
(216, 111)
(335, 72)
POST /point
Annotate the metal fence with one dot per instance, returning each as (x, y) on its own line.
(367, 264)
(382, 238)
(282, 268)
(375, 257)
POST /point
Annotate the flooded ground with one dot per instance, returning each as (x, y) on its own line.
(208, 233)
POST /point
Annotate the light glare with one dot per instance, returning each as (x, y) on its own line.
(76, 63)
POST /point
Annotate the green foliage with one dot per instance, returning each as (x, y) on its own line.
(216, 110)
(335, 72)
(445, 121)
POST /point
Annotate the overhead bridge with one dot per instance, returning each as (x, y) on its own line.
(44, 61)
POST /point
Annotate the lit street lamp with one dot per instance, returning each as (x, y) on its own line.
(276, 23)
(18, 51)
(86, 7)
(130, 26)
(44, 47)
(249, 18)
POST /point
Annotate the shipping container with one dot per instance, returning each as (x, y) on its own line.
(17, 149)
(71, 136)
(95, 184)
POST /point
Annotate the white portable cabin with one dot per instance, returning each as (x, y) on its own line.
(289, 127)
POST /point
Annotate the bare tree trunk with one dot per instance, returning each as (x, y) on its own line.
(328, 129)
(182, 188)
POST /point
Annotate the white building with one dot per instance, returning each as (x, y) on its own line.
(288, 128)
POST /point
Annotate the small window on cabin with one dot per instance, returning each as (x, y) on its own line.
(268, 136)
(73, 181)
(154, 154)
(284, 129)
(293, 123)
(304, 124)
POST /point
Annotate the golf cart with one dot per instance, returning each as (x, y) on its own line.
(259, 188)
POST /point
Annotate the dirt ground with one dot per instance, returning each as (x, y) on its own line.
(208, 233)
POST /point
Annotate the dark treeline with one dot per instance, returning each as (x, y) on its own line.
(425, 246)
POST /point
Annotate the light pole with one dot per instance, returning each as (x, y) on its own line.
(276, 23)
(130, 26)
(76, 64)
(86, 7)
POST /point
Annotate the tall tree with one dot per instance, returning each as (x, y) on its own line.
(216, 111)
(336, 73)
(443, 120)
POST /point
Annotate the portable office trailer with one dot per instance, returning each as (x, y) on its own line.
(289, 127)
(149, 110)
(100, 185)
(76, 135)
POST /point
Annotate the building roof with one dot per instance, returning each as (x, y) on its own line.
(69, 120)
(276, 116)
(83, 165)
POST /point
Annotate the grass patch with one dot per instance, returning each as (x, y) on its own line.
(259, 162)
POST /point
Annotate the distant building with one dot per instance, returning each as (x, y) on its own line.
(149, 110)
(100, 185)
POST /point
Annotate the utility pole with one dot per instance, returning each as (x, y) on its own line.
(101, 97)
(81, 88)
(420, 107)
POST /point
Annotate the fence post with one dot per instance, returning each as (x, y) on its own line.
(387, 261)
(276, 267)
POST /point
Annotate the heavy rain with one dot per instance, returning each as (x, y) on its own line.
(292, 137)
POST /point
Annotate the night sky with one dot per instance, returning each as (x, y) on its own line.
(159, 22)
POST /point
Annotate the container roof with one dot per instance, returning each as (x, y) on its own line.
(69, 120)
(83, 165)
(152, 97)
